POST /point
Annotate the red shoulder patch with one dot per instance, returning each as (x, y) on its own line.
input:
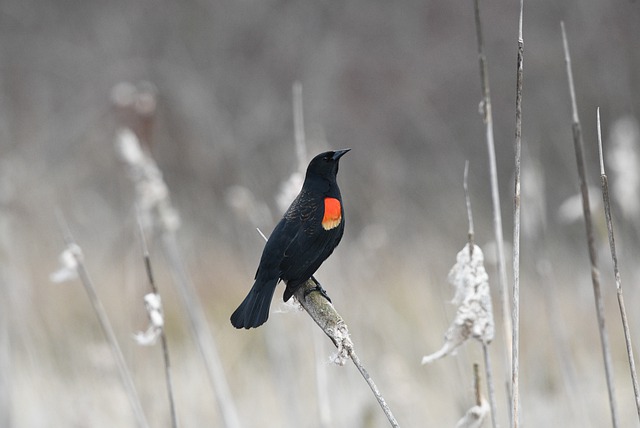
(332, 213)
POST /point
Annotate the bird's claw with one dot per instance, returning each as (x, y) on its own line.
(320, 290)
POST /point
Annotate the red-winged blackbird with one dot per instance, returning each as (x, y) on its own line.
(307, 234)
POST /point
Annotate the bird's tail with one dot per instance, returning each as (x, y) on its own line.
(254, 309)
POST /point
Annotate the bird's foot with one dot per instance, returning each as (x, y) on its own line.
(320, 290)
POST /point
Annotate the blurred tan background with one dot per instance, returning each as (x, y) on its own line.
(398, 83)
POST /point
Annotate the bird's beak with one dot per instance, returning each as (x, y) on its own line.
(339, 153)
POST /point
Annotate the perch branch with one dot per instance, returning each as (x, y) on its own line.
(595, 273)
(328, 319)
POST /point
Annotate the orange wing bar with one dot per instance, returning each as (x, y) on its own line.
(332, 213)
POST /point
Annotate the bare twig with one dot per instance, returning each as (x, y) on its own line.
(328, 319)
(103, 319)
(595, 273)
(616, 272)
(163, 336)
(515, 318)
(262, 234)
(487, 117)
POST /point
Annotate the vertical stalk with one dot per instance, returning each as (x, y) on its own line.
(595, 273)
(616, 272)
(515, 318)
(487, 118)
(163, 336)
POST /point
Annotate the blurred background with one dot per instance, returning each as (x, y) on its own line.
(207, 87)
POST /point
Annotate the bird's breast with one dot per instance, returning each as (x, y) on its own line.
(332, 213)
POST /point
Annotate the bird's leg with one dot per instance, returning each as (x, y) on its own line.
(319, 289)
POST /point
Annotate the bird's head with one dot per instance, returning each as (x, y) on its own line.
(326, 164)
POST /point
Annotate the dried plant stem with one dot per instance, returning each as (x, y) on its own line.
(487, 118)
(374, 389)
(616, 272)
(103, 319)
(328, 319)
(515, 317)
(201, 331)
(595, 273)
(163, 336)
(485, 347)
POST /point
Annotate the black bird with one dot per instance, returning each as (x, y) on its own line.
(307, 234)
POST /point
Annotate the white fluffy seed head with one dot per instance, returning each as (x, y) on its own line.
(474, 315)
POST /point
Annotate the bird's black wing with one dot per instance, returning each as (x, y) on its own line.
(274, 250)
(285, 232)
(311, 245)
